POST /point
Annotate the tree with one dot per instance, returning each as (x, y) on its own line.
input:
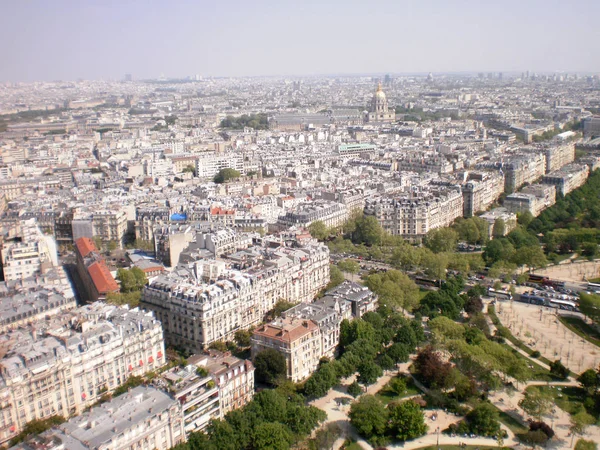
(589, 305)
(499, 229)
(242, 338)
(395, 289)
(368, 231)
(326, 437)
(582, 444)
(536, 403)
(352, 331)
(335, 277)
(302, 419)
(558, 370)
(369, 416)
(589, 380)
(483, 420)
(225, 175)
(318, 230)
(473, 230)
(441, 240)
(579, 422)
(433, 372)
(354, 389)
(132, 280)
(222, 435)
(385, 362)
(406, 420)
(443, 328)
(36, 426)
(369, 372)
(399, 353)
(349, 266)
(280, 307)
(531, 256)
(498, 250)
(435, 265)
(269, 366)
(189, 169)
(525, 218)
(132, 298)
(543, 427)
(317, 385)
(535, 437)
(271, 436)
(473, 305)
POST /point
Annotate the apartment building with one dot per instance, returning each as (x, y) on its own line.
(534, 198)
(62, 365)
(330, 213)
(327, 314)
(299, 341)
(559, 155)
(97, 281)
(414, 214)
(209, 164)
(204, 300)
(480, 191)
(591, 127)
(29, 307)
(523, 168)
(144, 418)
(360, 298)
(567, 178)
(26, 251)
(110, 225)
(209, 387)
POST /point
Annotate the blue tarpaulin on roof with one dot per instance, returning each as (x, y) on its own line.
(179, 216)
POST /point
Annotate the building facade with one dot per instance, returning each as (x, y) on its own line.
(65, 364)
(299, 341)
(413, 215)
(144, 418)
(480, 191)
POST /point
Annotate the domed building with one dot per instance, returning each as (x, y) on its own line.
(378, 110)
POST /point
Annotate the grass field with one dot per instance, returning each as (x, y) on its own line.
(386, 395)
(568, 398)
(515, 425)
(581, 328)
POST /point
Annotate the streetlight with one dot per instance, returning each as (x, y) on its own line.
(437, 430)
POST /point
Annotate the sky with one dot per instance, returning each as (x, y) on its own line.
(106, 39)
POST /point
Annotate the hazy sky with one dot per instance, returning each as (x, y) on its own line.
(91, 39)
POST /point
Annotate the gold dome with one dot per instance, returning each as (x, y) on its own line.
(380, 95)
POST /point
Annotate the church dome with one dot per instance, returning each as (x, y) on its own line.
(379, 95)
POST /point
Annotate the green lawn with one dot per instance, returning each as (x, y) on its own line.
(568, 398)
(353, 446)
(538, 373)
(513, 424)
(581, 328)
(386, 395)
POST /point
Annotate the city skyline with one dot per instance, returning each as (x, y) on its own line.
(70, 40)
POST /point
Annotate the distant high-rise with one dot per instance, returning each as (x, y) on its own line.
(128, 77)
(500, 75)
